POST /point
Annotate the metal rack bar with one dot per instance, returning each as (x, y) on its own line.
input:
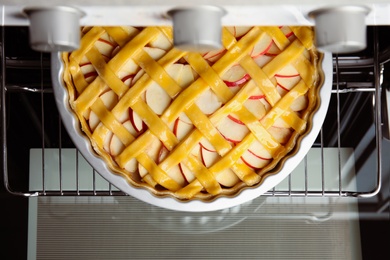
(306, 193)
(378, 118)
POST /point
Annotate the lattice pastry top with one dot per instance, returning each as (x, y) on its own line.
(193, 125)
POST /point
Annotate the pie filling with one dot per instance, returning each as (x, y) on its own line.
(193, 125)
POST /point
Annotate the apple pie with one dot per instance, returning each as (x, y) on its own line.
(194, 125)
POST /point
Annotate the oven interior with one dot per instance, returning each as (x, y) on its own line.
(357, 121)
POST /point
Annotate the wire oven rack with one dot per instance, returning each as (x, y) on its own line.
(357, 74)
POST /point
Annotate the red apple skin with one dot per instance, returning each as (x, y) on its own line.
(257, 97)
(90, 75)
(212, 56)
(282, 87)
(131, 116)
(105, 41)
(283, 76)
(286, 76)
(130, 76)
(231, 140)
(175, 126)
(85, 64)
(239, 82)
(254, 56)
(272, 48)
(256, 155)
(259, 163)
(206, 148)
(249, 165)
(236, 120)
(232, 129)
(107, 56)
(202, 157)
(182, 172)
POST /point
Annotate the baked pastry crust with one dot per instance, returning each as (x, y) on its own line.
(193, 125)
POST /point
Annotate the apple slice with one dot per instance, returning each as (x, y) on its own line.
(136, 122)
(257, 149)
(116, 146)
(162, 154)
(214, 55)
(129, 68)
(253, 161)
(287, 77)
(153, 150)
(242, 30)
(255, 106)
(88, 71)
(105, 45)
(281, 90)
(157, 99)
(127, 79)
(132, 165)
(174, 172)
(137, 76)
(231, 130)
(227, 178)
(299, 104)
(287, 31)
(273, 50)
(109, 99)
(266, 104)
(208, 157)
(238, 31)
(232, 30)
(161, 42)
(188, 175)
(107, 141)
(280, 123)
(205, 144)
(155, 53)
(183, 117)
(256, 157)
(115, 50)
(235, 76)
(281, 134)
(93, 121)
(234, 89)
(124, 116)
(174, 71)
(235, 119)
(181, 129)
(261, 60)
(261, 47)
(141, 170)
(186, 76)
(208, 102)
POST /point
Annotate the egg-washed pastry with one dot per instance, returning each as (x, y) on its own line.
(194, 125)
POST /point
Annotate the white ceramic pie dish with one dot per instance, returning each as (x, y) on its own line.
(83, 144)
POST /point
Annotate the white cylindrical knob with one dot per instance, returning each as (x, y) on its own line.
(197, 28)
(341, 29)
(54, 28)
